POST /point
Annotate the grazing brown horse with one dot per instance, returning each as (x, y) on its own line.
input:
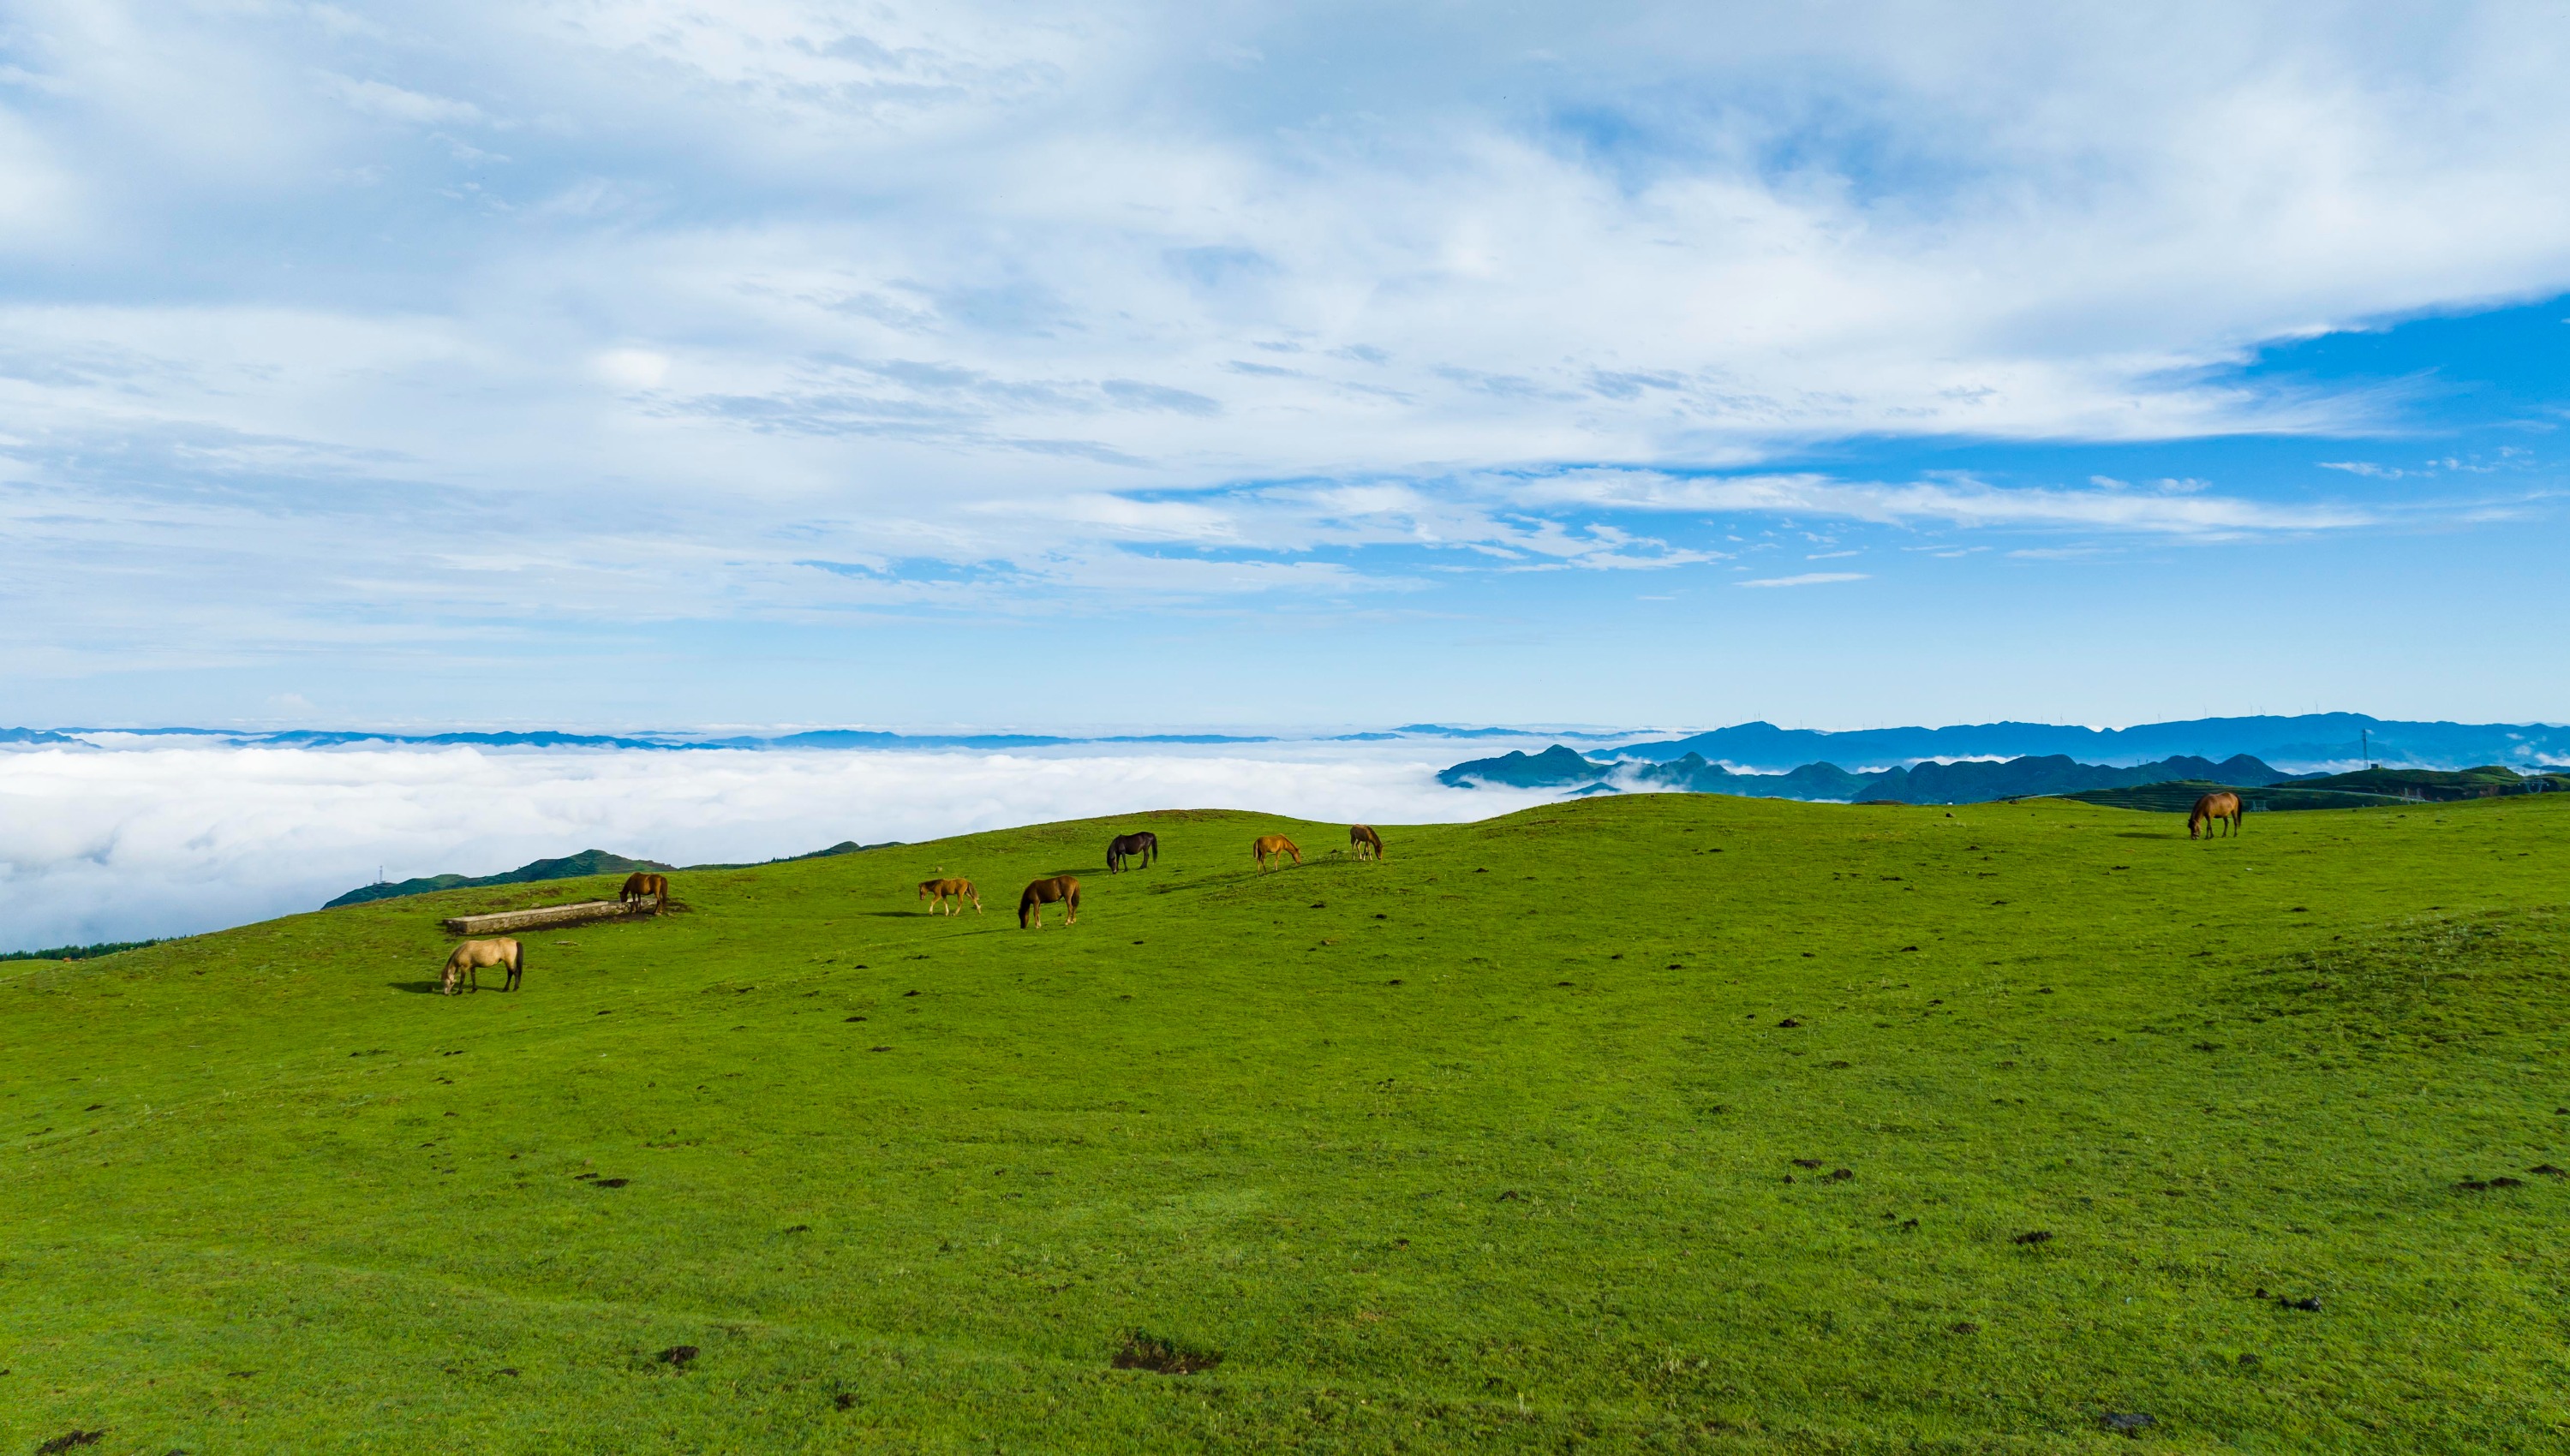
(1062, 888)
(1364, 841)
(471, 955)
(641, 882)
(1273, 846)
(950, 894)
(1124, 847)
(2211, 810)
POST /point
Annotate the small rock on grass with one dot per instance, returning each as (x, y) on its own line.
(680, 1355)
(2035, 1236)
(2128, 1420)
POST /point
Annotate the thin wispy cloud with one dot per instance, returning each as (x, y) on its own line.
(1808, 578)
(1959, 503)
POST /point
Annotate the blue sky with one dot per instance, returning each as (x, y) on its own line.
(664, 365)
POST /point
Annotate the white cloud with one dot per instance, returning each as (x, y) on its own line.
(124, 844)
(1034, 296)
(1959, 502)
(1807, 579)
(375, 98)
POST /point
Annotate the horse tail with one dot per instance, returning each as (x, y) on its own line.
(517, 958)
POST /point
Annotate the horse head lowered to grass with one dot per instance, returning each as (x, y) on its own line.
(469, 958)
(2212, 810)
(1061, 888)
(641, 882)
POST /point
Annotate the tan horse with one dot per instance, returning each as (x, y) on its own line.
(1062, 888)
(471, 955)
(1273, 846)
(2211, 810)
(949, 894)
(641, 882)
(1364, 843)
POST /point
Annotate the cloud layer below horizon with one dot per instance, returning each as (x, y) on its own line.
(129, 844)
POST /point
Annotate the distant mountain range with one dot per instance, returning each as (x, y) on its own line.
(1976, 780)
(1927, 783)
(2303, 743)
(2309, 740)
(569, 866)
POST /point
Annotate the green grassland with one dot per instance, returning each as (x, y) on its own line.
(1491, 1146)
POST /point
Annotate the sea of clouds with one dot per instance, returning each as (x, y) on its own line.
(120, 839)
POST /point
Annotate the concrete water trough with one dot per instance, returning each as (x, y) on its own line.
(553, 914)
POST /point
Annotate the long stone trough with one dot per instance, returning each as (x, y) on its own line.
(553, 914)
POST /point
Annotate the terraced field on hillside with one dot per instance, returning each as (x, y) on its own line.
(1655, 1123)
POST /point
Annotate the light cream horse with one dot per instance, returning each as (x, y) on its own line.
(1273, 846)
(951, 894)
(469, 958)
(1364, 843)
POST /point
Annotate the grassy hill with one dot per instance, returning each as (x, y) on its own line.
(1651, 1123)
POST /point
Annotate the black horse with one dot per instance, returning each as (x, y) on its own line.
(1145, 844)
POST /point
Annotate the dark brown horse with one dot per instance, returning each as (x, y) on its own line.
(1124, 847)
(1364, 843)
(2214, 809)
(1062, 888)
(641, 882)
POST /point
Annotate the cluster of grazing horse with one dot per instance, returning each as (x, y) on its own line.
(643, 883)
(1270, 850)
(468, 959)
(2213, 810)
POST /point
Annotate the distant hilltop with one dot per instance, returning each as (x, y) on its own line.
(569, 866)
